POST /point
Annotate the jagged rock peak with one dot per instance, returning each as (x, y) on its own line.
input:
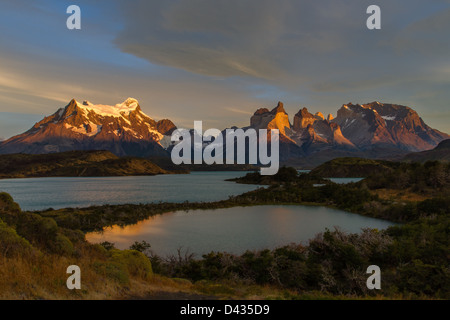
(165, 127)
(304, 113)
(320, 115)
(303, 118)
(275, 119)
(330, 117)
(279, 108)
(261, 111)
(130, 101)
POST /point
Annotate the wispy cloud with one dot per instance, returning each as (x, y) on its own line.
(171, 54)
(239, 111)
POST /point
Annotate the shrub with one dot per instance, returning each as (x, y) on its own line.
(112, 270)
(136, 262)
(421, 278)
(11, 244)
(37, 230)
(7, 203)
(75, 236)
(62, 245)
(142, 246)
(108, 245)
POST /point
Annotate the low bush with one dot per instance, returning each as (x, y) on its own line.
(11, 244)
(136, 262)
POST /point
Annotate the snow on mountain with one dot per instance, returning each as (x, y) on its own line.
(372, 130)
(386, 124)
(122, 129)
(119, 110)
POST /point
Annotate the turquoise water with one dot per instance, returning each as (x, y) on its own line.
(234, 230)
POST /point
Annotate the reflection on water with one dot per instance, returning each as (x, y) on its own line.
(234, 229)
(43, 193)
(345, 180)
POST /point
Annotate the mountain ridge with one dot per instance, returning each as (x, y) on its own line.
(122, 129)
(374, 130)
(440, 153)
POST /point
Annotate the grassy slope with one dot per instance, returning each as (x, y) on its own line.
(352, 168)
(16, 273)
(74, 164)
(35, 253)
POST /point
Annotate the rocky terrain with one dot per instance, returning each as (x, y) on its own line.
(374, 130)
(122, 129)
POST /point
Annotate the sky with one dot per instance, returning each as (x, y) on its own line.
(220, 60)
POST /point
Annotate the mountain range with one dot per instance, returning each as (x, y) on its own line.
(373, 130)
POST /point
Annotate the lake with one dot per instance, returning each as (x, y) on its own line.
(234, 230)
(56, 193)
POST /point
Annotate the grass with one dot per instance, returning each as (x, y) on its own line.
(43, 277)
(114, 274)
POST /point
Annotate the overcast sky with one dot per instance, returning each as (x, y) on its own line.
(220, 60)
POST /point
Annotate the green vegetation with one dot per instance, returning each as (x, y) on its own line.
(335, 263)
(186, 168)
(353, 168)
(74, 164)
(413, 257)
(32, 244)
(35, 253)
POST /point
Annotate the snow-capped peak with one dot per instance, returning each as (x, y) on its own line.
(131, 102)
(119, 110)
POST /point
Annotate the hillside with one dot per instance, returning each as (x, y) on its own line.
(353, 168)
(35, 252)
(74, 164)
(440, 153)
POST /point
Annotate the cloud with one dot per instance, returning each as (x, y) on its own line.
(429, 37)
(240, 111)
(220, 60)
(287, 43)
(257, 38)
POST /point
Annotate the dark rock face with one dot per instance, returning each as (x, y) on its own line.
(275, 119)
(302, 119)
(387, 124)
(165, 127)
